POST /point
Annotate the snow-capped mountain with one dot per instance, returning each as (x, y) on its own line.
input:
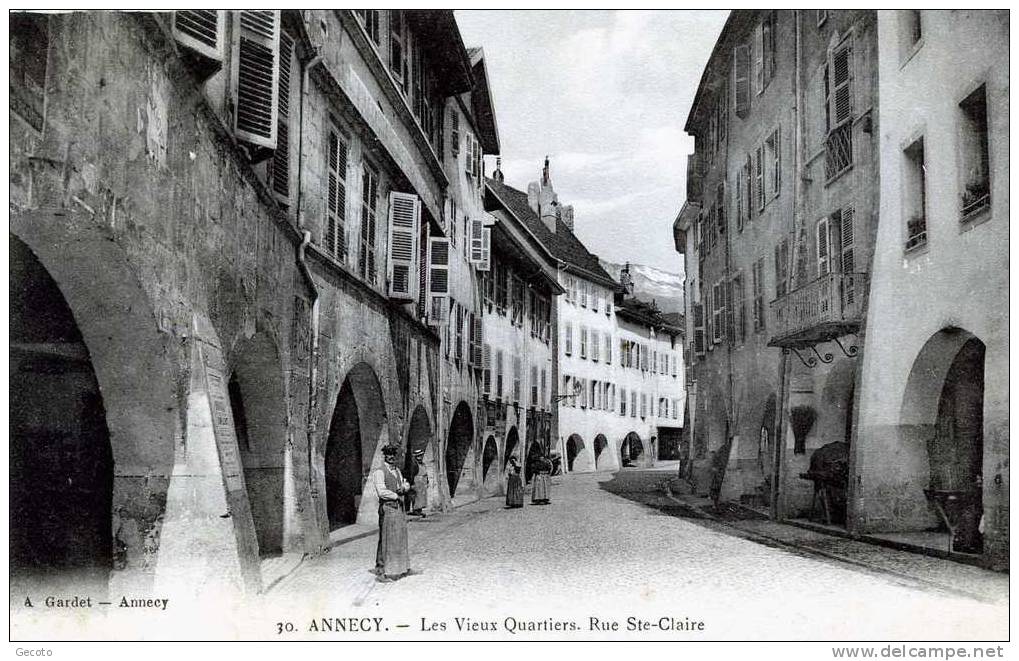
(652, 283)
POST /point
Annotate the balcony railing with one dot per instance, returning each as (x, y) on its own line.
(838, 151)
(826, 308)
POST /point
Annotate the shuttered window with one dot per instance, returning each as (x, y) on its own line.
(369, 224)
(534, 386)
(404, 228)
(781, 268)
(758, 285)
(759, 58)
(516, 379)
(370, 19)
(698, 329)
(438, 278)
(477, 240)
(773, 153)
(838, 86)
(759, 178)
(741, 80)
(848, 235)
(486, 370)
(568, 338)
(256, 77)
(821, 243)
(202, 33)
(498, 373)
(279, 169)
(335, 240)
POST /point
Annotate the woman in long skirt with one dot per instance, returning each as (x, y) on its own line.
(514, 487)
(540, 490)
(392, 559)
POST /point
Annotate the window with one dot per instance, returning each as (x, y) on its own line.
(720, 208)
(643, 405)
(914, 194)
(622, 402)
(910, 32)
(279, 168)
(404, 229)
(544, 388)
(608, 349)
(759, 178)
(498, 374)
(595, 298)
(974, 154)
(740, 174)
(717, 311)
(821, 242)
(595, 395)
(772, 154)
(399, 39)
(764, 51)
(583, 342)
(370, 20)
(781, 268)
(838, 111)
(568, 338)
(201, 31)
(516, 379)
(369, 204)
(741, 80)
(633, 403)
(758, 286)
(255, 81)
(461, 315)
(738, 311)
(454, 131)
(534, 386)
(595, 349)
(335, 241)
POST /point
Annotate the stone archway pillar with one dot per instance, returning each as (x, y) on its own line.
(208, 538)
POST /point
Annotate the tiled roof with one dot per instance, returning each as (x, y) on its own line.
(563, 243)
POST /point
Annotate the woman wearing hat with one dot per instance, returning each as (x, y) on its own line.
(392, 559)
(514, 487)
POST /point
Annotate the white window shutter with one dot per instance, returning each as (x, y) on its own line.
(438, 278)
(404, 229)
(823, 260)
(256, 76)
(478, 331)
(486, 250)
(476, 227)
(202, 31)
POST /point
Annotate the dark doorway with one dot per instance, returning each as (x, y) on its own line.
(357, 425)
(957, 448)
(574, 445)
(459, 444)
(488, 457)
(61, 461)
(600, 443)
(512, 440)
(633, 449)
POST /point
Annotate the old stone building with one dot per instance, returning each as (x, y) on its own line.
(230, 234)
(933, 421)
(777, 229)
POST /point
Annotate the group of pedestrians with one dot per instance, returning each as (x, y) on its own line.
(541, 470)
(400, 495)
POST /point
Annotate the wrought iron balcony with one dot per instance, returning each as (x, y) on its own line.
(824, 309)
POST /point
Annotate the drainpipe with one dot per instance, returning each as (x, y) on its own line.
(778, 453)
(305, 76)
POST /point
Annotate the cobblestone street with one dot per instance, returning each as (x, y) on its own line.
(614, 546)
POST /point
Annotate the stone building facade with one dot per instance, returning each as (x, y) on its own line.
(777, 228)
(934, 387)
(222, 287)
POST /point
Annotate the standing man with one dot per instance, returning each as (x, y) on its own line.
(392, 559)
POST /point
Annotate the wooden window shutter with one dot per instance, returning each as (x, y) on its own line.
(279, 170)
(759, 178)
(486, 367)
(780, 270)
(776, 180)
(454, 132)
(848, 254)
(477, 240)
(840, 85)
(486, 250)
(759, 58)
(336, 206)
(768, 44)
(256, 77)
(203, 33)
(477, 357)
(404, 229)
(698, 329)
(823, 257)
(748, 197)
(741, 80)
(438, 278)
(739, 199)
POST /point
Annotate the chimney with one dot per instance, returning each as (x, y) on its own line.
(566, 215)
(533, 191)
(498, 175)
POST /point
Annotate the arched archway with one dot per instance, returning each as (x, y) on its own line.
(258, 403)
(579, 457)
(490, 475)
(512, 441)
(93, 408)
(460, 451)
(632, 450)
(943, 407)
(357, 432)
(600, 443)
(419, 441)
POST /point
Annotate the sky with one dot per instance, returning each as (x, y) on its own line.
(605, 95)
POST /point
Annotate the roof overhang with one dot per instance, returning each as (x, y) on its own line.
(483, 107)
(441, 39)
(511, 237)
